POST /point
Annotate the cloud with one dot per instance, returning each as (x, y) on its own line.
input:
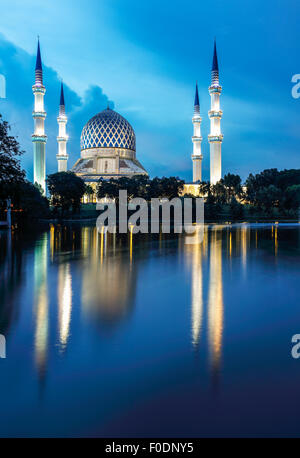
(18, 68)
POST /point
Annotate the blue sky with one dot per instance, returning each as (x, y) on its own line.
(145, 57)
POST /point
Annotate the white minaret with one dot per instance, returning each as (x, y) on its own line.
(197, 139)
(215, 137)
(62, 156)
(39, 114)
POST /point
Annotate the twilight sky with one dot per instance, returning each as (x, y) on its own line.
(144, 57)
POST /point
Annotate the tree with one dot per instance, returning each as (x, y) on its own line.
(233, 185)
(268, 197)
(140, 186)
(11, 173)
(271, 188)
(108, 189)
(165, 187)
(31, 201)
(204, 188)
(236, 209)
(219, 192)
(66, 190)
(212, 207)
(89, 191)
(291, 198)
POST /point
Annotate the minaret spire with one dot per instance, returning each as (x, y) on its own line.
(197, 139)
(39, 114)
(215, 137)
(62, 100)
(62, 156)
(196, 103)
(215, 68)
(38, 66)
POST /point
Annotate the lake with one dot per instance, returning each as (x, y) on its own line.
(135, 335)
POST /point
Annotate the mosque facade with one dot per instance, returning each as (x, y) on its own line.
(108, 141)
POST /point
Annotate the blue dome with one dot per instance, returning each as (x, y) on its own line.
(107, 129)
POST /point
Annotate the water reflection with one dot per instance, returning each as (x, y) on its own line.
(215, 301)
(196, 258)
(99, 272)
(195, 253)
(125, 317)
(41, 304)
(11, 265)
(108, 284)
(64, 299)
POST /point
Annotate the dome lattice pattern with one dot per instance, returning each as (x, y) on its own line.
(107, 129)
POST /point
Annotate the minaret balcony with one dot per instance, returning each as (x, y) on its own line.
(39, 138)
(62, 118)
(60, 157)
(36, 88)
(197, 119)
(215, 114)
(39, 114)
(213, 89)
(63, 139)
(197, 139)
(197, 157)
(215, 138)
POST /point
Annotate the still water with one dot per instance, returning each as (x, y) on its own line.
(132, 335)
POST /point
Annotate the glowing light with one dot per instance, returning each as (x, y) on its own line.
(51, 241)
(131, 226)
(41, 305)
(64, 294)
(215, 301)
(197, 301)
(101, 245)
(244, 244)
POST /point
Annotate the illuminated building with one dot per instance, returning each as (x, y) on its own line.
(39, 114)
(108, 142)
(107, 148)
(62, 156)
(197, 139)
(215, 137)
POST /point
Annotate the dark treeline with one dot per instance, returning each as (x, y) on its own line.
(269, 194)
(140, 186)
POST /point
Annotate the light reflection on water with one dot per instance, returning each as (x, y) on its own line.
(126, 313)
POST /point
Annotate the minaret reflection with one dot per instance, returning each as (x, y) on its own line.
(64, 296)
(244, 233)
(108, 285)
(41, 304)
(194, 255)
(215, 300)
(276, 239)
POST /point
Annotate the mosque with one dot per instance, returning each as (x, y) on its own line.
(108, 143)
